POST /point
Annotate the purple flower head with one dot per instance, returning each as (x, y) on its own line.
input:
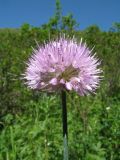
(63, 64)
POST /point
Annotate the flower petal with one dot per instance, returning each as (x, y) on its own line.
(53, 81)
(68, 85)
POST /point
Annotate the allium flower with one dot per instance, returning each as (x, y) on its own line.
(63, 64)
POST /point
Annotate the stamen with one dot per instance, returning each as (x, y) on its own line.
(69, 73)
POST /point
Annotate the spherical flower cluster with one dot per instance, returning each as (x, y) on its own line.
(63, 64)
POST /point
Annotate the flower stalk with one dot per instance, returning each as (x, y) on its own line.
(65, 129)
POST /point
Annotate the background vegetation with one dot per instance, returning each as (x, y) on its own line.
(30, 122)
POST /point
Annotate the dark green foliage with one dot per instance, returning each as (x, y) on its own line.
(55, 21)
(69, 23)
(115, 27)
(30, 122)
(60, 22)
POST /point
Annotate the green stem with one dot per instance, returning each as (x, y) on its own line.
(65, 130)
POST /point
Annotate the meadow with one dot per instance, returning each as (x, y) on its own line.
(31, 121)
